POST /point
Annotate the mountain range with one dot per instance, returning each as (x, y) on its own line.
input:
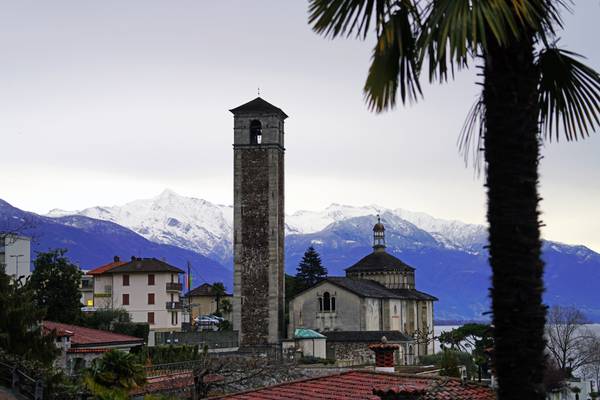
(449, 256)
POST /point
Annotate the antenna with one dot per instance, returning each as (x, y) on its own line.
(258, 91)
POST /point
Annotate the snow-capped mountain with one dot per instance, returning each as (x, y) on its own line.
(207, 228)
(169, 218)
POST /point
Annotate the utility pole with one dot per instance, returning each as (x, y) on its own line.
(17, 256)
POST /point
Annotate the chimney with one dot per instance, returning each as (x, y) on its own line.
(384, 355)
(116, 259)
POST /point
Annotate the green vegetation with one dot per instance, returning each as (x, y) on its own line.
(114, 374)
(310, 270)
(20, 323)
(173, 353)
(55, 283)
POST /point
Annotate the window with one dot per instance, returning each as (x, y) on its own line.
(320, 304)
(173, 318)
(151, 318)
(125, 299)
(151, 280)
(326, 302)
(255, 132)
(125, 280)
(150, 298)
(332, 303)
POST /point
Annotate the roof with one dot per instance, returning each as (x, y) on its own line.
(88, 337)
(145, 265)
(413, 294)
(105, 268)
(203, 290)
(361, 385)
(258, 105)
(379, 261)
(366, 336)
(303, 333)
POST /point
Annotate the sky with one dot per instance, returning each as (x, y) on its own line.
(105, 102)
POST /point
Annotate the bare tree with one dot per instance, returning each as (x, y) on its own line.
(592, 369)
(568, 341)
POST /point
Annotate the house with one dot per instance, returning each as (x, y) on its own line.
(378, 293)
(148, 288)
(203, 300)
(15, 255)
(80, 346)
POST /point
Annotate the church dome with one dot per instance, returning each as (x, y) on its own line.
(380, 261)
(379, 227)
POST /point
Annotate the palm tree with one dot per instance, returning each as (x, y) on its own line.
(531, 90)
(218, 290)
(118, 370)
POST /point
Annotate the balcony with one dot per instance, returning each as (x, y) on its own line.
(174, 287)
(87, 285)
(174, 305)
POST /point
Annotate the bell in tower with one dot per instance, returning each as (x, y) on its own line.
(258, 223)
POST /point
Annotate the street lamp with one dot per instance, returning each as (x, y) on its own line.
(17, 256)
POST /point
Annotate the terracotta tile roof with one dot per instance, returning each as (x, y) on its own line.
(88, 337)
(355, 385)
(105, 268)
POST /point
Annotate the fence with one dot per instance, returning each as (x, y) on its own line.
(212, 340)
(21, 383)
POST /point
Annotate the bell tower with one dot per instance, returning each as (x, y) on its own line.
(258, 223)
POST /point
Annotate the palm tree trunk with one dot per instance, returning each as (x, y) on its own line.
(512, 155)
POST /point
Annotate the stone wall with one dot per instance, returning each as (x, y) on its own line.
(350, 353)
(258, 231)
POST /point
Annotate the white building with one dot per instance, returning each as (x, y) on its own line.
(15, 255)
(149, 289)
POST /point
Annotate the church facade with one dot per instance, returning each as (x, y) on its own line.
(378, 293)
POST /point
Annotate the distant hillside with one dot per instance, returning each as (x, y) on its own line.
(92, 242)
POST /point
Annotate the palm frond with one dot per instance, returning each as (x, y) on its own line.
(345, 17)
(456, 30)
(569, 95)
(394, 64)
(470, 140)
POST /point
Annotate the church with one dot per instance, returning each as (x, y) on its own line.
(377, 294)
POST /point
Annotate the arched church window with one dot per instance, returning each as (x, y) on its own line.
(326, 302)
(320, 304)
(255, 132)
(332, 303)
(395, 309)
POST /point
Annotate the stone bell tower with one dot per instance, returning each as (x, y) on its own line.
(258, 223)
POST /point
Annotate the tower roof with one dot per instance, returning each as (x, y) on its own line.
(258, 105)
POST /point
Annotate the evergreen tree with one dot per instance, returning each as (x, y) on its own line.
(310, 270)
(55, 282)
(20, 322)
